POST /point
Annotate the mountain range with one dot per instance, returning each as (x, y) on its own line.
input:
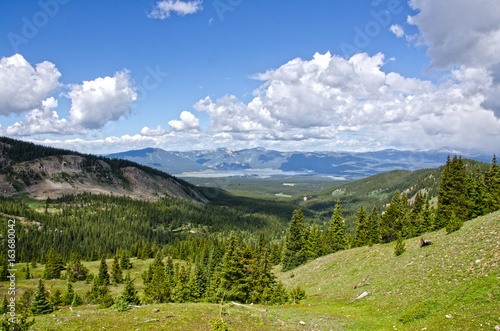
(260, 161)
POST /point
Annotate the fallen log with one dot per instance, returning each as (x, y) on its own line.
(364, 294)
(363, 283)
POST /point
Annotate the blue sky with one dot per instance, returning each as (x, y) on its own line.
(109, 76)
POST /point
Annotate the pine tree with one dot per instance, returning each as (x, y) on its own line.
(361, 237)
(182, 291)
(169, 272)
(129, 293)
(197, 282)
(77, 300)
(76, 271)
(492, 186)
(477, 195)
(4, 309)
(5, 270)
(157, 290)
(53, 265)
(146, 252)
(454, 224)
(452, 195)
(262, 280)
(103, 275)
(314, 242)
(373, 235)
(400, 245)
(28, 274)
(294, 252)
(125, 261)
(426, 223)
(232, 282)
(389, 220)
(68, 295)
(40, 304)
(56, 299)
(336, 230)
(116, 271)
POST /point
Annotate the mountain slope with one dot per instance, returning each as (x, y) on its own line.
(43, 172)
(453, 284)
(378, 190)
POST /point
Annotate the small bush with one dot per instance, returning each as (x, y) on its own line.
(419, 311)
(400, 246)
(297, 294)
(454, 224)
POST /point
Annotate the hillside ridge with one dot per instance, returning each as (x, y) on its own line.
(44, 172)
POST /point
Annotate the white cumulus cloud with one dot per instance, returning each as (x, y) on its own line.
(462, 33)
(146, 131)
(397, 30)
(43, 120)
(187, 122)
(164, 9)
(353, 102)
(95, 103)
(24, 87)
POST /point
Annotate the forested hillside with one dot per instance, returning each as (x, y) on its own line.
(45, 172)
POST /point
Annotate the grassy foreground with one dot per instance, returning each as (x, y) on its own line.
(453, 284)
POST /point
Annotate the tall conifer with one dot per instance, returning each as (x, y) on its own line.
(40, 304)
(294, 252)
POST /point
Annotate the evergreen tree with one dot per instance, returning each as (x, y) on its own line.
(28, 274)
(314, 242)
(262, 280)
(4, 309)
(336, 230)
(169, 272)
(99, 294)
(477, 195)
(116, 271)
(125, 261)
(454, 224)
(40, 304)
(146, 252)
(129, 293)
(157, 290)
(182, 291)
(56, 299)
(77, 300)
(53, 265)
(68, 295)
(389, 220)
(361, 237)
(452, 195)
(103, 275)
(373, 235)
(400, 245)
(76, 271)
(197, 282)
(231, 281)
(426, 223)
(294, 252)
(492, 186)
(5, 270)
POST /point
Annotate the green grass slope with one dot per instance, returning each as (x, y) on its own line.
(453, 284)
